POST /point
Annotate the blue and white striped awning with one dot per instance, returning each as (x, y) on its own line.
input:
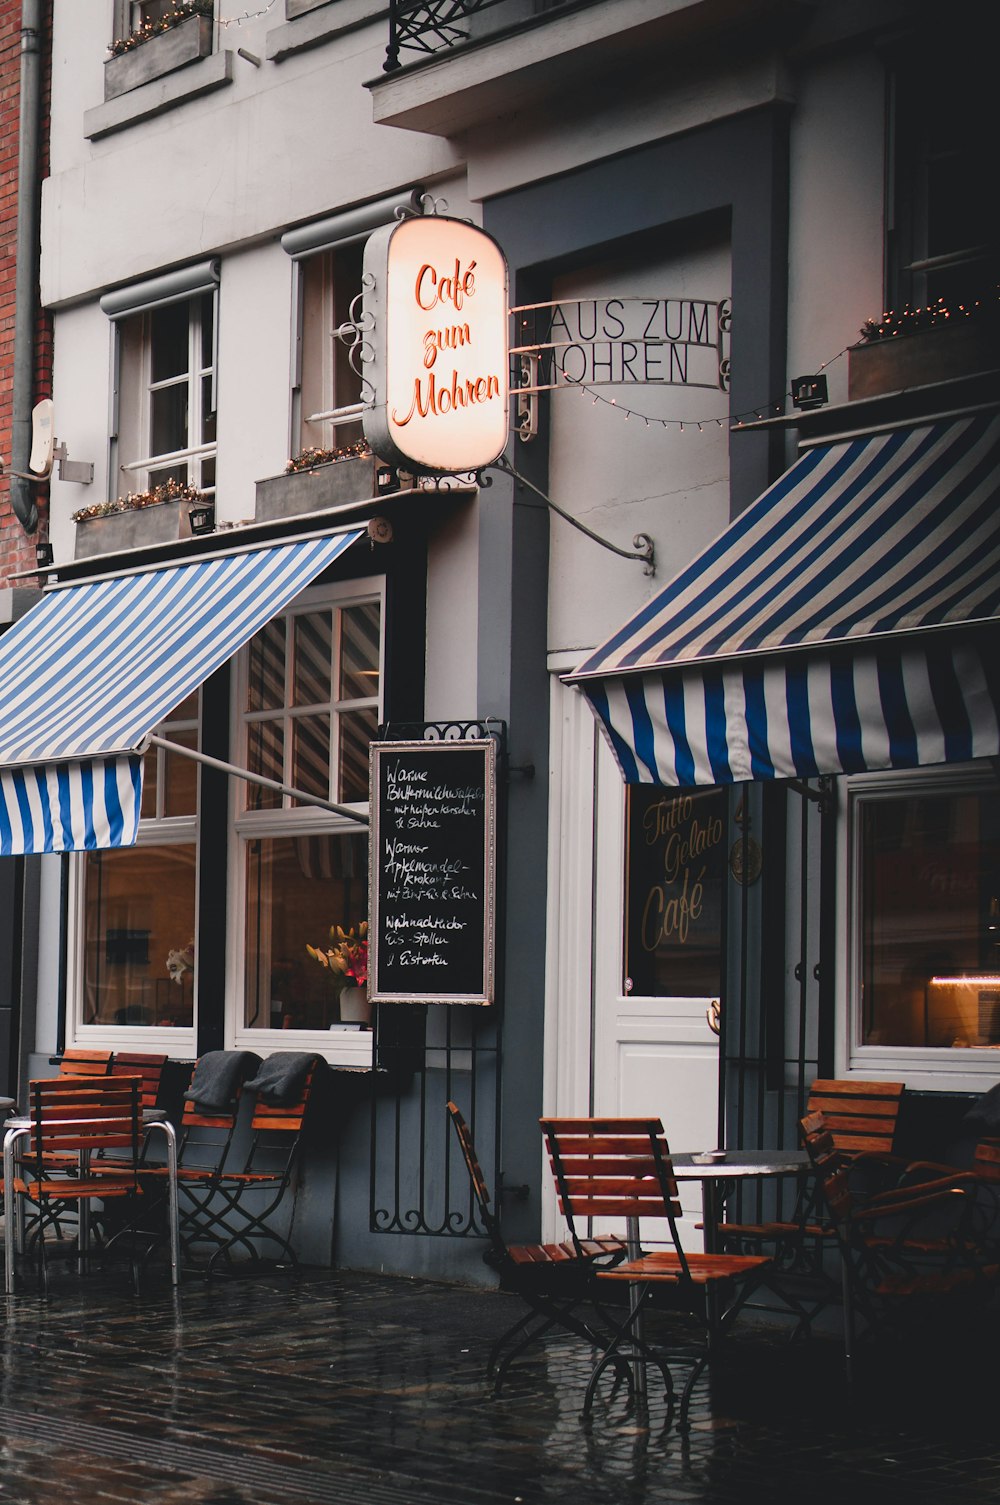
(88, 673)
(808, 638)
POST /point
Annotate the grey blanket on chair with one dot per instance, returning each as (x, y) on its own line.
(217, 1077)
(282, 1077)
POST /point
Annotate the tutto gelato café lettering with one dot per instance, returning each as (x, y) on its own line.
(436, 393)
(683, 838)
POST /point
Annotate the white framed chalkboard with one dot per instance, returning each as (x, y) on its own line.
(432, 891)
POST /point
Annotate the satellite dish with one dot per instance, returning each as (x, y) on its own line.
(42, 439)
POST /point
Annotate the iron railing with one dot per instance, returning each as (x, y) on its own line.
(428, 27)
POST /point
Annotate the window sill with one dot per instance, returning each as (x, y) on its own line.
(310, 28)
(352, 1048)
(201, 77)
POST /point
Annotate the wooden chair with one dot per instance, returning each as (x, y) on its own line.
(621, 1168)
(85, 1062)
(147, 1067)
(907, 1247)
(74, 1121)
(555, 1281)
(861, 1117)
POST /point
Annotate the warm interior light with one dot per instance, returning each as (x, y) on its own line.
(970, 980)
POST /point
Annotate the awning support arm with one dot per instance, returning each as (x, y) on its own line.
(258, 778)
(642, 542)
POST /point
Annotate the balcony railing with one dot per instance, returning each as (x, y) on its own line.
(429, 27)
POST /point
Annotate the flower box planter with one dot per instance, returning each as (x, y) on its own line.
(917, 360)
(163, 522)
(182, 44)
(331, 485)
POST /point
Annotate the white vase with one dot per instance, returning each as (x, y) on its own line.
(354, 1005)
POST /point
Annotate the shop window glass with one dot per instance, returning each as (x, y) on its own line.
(138, 903)
(675, 868)
(311, 707)
(929, 910)
(312, 703)
(296, 888)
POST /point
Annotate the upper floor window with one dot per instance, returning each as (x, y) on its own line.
(329, 283)
(165, 387)
(138, 20)
(943, 241)
(329, 257)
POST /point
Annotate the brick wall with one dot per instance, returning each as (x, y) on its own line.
(17, 551)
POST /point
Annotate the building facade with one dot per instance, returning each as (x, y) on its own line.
(697, 202)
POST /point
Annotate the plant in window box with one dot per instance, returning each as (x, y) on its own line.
(913, 347)
(165, 515)
(170, 39)
(316, 479)
(346, 958)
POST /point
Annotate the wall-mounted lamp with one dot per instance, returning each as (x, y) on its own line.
(386, 480)
(43, 555)
(809, 391)
(202, 520)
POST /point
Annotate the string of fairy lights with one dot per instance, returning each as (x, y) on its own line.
(699, 425)
(892, 324)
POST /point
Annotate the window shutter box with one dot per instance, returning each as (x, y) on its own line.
(328, 485)
(184, 43)
(163, 522)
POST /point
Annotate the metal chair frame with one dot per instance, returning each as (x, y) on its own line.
(553, 1280)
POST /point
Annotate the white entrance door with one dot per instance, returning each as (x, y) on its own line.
(657, 1054)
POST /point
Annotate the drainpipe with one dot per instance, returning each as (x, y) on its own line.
(26, 278)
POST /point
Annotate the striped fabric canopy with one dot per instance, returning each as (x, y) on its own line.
(800, 642)
(93, 668)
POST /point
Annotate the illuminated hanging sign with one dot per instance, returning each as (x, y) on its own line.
(436, 345)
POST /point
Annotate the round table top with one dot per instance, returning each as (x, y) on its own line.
(739, 1164)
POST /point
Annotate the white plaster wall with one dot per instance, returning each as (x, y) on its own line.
(621, 476)
(81, 393)
(283, 143)
(254, 380)
(835, 241)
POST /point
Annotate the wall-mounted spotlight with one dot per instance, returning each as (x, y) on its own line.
(202, 520)
(44, 556)
(809, 391)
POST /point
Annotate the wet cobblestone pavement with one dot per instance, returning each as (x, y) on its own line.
(338, 1387)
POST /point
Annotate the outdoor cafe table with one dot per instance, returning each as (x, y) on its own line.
(18, 1127)
(719, 1178)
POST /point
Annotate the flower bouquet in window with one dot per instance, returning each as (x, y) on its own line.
(346, 958)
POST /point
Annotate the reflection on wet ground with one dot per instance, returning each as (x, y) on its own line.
(344, 1387)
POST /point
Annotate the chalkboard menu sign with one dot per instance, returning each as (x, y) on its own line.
(432, 854)
(675, 869)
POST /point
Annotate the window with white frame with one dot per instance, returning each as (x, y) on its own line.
(926, 949)
(310, 701)
(328, 284)
(166, 396)
(136, 907)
